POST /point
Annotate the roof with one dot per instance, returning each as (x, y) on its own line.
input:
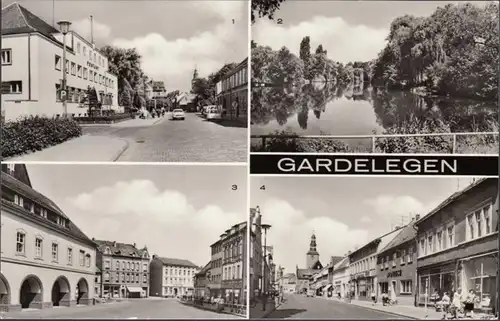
(289, 276)
(406, 234)
(452, 198)
(342, 264)
(121, 249)
(16, 19)
(28, 192)
(382, 240)
(176, 262)
(335, 259)
(304, 273)
(205, 269)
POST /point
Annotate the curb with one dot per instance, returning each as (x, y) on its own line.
(208, 309)
(378, 310)
(121, 151)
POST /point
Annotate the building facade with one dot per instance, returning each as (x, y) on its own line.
(124, 269)
(46, 259)
(305, 276)
(31, 55)
(201, 283)
(172, 277)
(396, 268)
(234, 249)
(341, 278)
(233, 94)
(215, 272)
(288, 283)
(363, 266)
(256, 263)
(458, 245)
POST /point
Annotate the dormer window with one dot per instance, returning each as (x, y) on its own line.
(107, 250)
(11, 168)
(18, 200)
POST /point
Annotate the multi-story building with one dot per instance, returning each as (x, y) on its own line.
(287, 283)
(396, 268)
(202, 283)
(313, 265)
(233, 94)
(46, 259)
(98, 283)
(234, 250)
(458, 245)
(256, 254)
(32, 67)
(341, 278)
(215, 279)
(172, 277)
(363, 266)
(319, 281)
(124, 269)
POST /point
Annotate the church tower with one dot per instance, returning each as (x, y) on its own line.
(312, 254)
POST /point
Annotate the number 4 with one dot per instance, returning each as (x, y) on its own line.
(263, 187)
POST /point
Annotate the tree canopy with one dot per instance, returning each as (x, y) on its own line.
(264, 8)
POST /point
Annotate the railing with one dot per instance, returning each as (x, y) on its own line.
(232, 308)
(373, 137)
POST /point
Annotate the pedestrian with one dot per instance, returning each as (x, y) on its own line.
(445, 303)
(456, 304)
(469, 303)
(385, 298)
(374, 297)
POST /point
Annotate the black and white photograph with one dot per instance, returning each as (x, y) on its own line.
(127, 242)
(374, 248)
(375, 77)
(134, 81)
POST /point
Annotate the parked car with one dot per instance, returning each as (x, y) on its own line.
(310, 293)
(178, 114)
(213, 113)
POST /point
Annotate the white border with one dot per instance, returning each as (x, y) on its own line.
(373, 154)
(249, 114)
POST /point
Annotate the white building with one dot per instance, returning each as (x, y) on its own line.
(46, 259)
(31, 58)
(340, 278)
(172, 277)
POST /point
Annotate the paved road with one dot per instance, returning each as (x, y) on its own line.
(301, 307)
(132, 309)
(191, 140)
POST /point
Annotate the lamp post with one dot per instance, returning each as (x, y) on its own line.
(264, 227)
(64, 27)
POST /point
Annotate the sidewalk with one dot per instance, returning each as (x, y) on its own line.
(138, 122)
(257, 313)
(409, 311)
(86, 148)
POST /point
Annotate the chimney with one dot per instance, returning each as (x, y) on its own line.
(417, 217)
(114, 243)
(154, 256)
(92, 31)
(135, 245)
(396, 227)
(93, 239)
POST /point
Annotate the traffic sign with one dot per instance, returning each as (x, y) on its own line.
(63, 95)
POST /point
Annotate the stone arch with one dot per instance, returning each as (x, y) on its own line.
(82, 292)
(61, 292)
(31, 292)
(4, 293)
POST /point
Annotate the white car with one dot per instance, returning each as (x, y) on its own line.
(178, 114)
(213, 113)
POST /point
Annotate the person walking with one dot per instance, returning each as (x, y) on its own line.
(374, 297)
(470, 299)
(445, 302)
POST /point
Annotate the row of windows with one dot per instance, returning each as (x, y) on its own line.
(479, 223)
(233, 249)
(126, 265)
(231, 273)
(125, 277)
(178, 280)
(364, 264)
(235, 80)
(21, 241)
(406, 256)
(215, 278)
(174, 271)
(6, 56)
(32, 207)
(92, 55)
(443, 239)
(216, 263)
(83, 72)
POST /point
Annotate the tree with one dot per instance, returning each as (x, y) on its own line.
(125, 99)
(305, 55)
(261, 60)
(92, 100)
(319, 64)
(264, 8)
(125, 63)
(137, 100)
(172, 97)
(285, 68)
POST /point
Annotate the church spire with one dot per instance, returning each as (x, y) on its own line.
(312, 244)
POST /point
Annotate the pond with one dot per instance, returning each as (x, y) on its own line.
(320, 109)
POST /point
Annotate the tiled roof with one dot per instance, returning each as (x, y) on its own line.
(406, 234)
(16, 19)
(335, 259)
(304, 273)
(176, 262)
(28, 192)
(121, 249)
(342, 264)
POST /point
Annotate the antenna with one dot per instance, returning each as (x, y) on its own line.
(53, 13)
(92, 30)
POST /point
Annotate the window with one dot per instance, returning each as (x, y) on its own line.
(20, 242)
(6, 56)
(82, 258)
(421, 247)
(406, 287)
(87, 260)
(450, 236)
(67, 66)
(117, 265)
(79, 71)
(128, 265)
(70, 256)
(403, 257)
(107, 264)
(106, 276)
(84, 51)
(55, 252)
(38, 247)
(16, 87)
(78, 47)
(394, 258)
(18, 200)
(95, 57)
(57, 63)
(123, 265)
(439, 241)
(85, 73)
(381, 263)
(410, 254)
(430, 245)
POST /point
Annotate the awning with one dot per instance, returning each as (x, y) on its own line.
(328, 287)
(134, 289)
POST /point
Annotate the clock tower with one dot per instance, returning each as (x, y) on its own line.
(312, 254)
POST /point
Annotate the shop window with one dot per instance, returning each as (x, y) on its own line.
(16, 87)
(6, 56)
(57, 62)
(479, 274)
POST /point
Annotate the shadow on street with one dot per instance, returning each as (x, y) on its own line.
(285, 313)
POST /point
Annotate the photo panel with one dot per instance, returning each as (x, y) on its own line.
(127, 242)
(374, 248)
(375, 77)
(144, 85)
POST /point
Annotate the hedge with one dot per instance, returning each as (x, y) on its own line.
(103, 119)
(34, 133)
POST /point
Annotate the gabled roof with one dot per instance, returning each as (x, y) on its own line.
(304, 273)
(342, 264)
(205, 269)
(176, 262)
(334, 260)
(120, 249)
(16, 19)
(406, 234)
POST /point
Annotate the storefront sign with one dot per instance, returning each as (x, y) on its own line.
(394, 274)
(361, 275)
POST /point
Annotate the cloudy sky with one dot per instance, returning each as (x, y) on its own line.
(348, 30)
(172, 36)
(342, 212)
(177, 211)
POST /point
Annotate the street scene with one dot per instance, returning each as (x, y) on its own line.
(99, 89)
(374, 77)
(420, 248)
(158, 242)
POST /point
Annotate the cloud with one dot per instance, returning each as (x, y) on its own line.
(397, 206)
(83, 28)
(173, 60)
(344, 42)
(164, 220)
(291, 231)
(365, 219)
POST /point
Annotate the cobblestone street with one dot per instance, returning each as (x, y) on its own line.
(191, 140)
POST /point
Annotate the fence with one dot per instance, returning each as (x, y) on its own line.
(231, 308)
(373, 137)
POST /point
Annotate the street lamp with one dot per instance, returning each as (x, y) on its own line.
(64, 26)
(264, 227)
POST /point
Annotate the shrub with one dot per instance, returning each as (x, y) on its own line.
(108, 119)
(34, 133)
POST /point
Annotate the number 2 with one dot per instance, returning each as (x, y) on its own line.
(280, 21)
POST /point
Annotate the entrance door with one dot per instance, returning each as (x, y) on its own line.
(393, 289)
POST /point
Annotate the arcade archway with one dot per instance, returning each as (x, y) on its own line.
(31, 293)
(61, 292)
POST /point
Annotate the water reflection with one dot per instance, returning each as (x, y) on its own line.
(315, 109)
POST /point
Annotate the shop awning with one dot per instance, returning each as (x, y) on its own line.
(328, 287)
(134, 289)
